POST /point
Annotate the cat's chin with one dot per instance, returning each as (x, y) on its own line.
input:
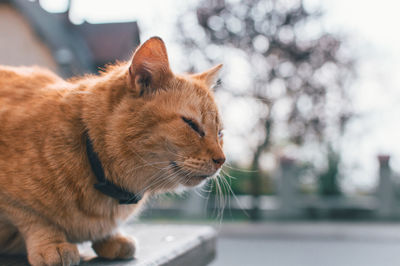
(195, 181)
(188, 181)
(184, 187)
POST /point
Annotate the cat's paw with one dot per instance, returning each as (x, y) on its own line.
(64, 254)
(115, 247)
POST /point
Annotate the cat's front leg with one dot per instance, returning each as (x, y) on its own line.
(115, 247)
(47, 246)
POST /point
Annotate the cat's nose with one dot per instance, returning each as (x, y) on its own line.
(219, 161)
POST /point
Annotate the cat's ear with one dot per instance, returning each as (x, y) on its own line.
(150, 67)
(210, 77)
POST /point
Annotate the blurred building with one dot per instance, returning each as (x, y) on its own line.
(29, 35)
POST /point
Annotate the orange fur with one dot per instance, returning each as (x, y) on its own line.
(133, 114)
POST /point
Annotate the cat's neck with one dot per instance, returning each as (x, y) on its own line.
(101, 95)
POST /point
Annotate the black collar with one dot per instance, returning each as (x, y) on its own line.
(106, 186)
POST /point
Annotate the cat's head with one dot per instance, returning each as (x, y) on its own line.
(169, 129)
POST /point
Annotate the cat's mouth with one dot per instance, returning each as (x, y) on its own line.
(191, 179)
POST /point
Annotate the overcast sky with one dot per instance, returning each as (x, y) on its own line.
(372, 27)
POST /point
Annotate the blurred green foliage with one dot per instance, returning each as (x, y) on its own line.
(240, 181)
(328, 181)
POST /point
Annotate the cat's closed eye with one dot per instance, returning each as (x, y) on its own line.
(193, 125)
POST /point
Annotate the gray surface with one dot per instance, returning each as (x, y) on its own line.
(157, 245)
(250, 252)
(309, 244)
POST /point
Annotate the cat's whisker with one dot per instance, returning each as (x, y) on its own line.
(206, 189)
(226, 192)
(221, 202)
(228, 175)
(158, 180)
(199, 193)
(149, 164)
(237, 200)
(238, 169)
(143, 190)
(164, 180)
(168, 149)
(222, 197)
(216, 198)
(145, 161)
(167, 180)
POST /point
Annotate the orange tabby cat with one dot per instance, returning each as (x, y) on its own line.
(77, 157)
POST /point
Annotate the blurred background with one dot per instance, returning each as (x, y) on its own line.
(310, 101)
